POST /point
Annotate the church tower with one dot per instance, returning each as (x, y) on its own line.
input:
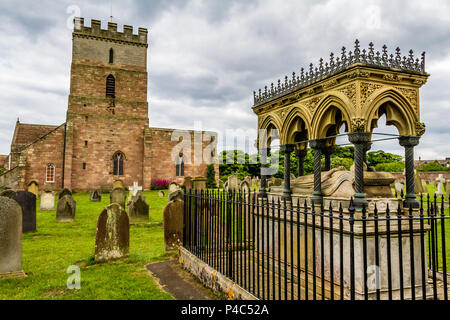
(107, 114)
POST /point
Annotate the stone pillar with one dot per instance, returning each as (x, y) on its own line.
(328, 151)
(287, 149)
(317, 146)
(301, 154)
(264, 154)
(360, 140)
(409, 143)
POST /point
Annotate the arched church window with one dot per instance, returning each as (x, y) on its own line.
(180, 166)
(110, 86)
(50, 173)
(118, 164)
(111, 56)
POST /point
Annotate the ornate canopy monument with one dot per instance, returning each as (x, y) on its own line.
(353, 90)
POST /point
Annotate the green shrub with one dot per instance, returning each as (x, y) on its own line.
(390, 167)
(211, 177)
(432, 166)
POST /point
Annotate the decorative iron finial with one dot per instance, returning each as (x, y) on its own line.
(357, 51)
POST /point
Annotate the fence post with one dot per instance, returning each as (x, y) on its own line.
(229, 235)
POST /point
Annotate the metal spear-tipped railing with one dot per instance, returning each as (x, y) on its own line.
(336, 64)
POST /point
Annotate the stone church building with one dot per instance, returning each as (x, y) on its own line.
(106, 136)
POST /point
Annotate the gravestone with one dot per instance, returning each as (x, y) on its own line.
(138, 209)
(188, 183)
(27, 202)
(233, 183)
(47, 201)
(10, 239)
(175, 192)
(119, 196)
(418, 187)
(447, 187)
(64, 192)
(244, 187)
(106, 188)
(398, 187)
(112, 239)
(9, 193)
(33, 187)
(425, 186)
(135, 189)
(440, 181)
(95, 196)
(173, 224)
(118, 184)
(199, 183)
(65, 209)
(256, 182)
(248, 179)
(161, 194)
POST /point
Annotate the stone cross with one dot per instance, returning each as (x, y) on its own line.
(135, 188)
(440, 180)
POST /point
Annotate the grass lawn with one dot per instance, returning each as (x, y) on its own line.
(55, 246)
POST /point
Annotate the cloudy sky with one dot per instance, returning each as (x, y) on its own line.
(207, 56)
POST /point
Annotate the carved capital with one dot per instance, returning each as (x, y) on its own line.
(410, 141)
(420, 128)
(359, 138)
(317, 144)
(358, 124)
(287, 148)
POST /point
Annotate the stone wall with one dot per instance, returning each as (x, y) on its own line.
(427, 176)
(13, 178)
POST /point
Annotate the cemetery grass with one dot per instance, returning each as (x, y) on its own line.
(55, 246)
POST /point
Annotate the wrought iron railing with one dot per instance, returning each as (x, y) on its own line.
(279, 250)
(336, 64)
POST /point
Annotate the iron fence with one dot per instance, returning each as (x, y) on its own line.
(297, 250)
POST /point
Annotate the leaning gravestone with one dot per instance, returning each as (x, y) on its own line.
(10, 239)
(27, 202)
(65, 210)
(112, 240)
(173, 224)
(418, 186)
(47, 201)
(118, 196)
(95, 196)
(138, 209)
(64, 192)
(440, 181)
(33, 187)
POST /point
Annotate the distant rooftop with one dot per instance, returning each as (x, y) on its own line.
(337, 64)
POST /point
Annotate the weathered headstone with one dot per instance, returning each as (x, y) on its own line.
(33, 187)
(398, 187)
(233, 183)
(447, 187)
(64, 192)
(118, 184)
(106, 188)
(10, 239)
(425, 186)
(188, 183)
(47, 201)
(27, 202)
(112, 240)
(175, 193)
(138, 209)
(173, 224)
(256, 182)
(199, 183)
(119, 196)
(161, 194)
(9, 193)
(418, 187)
(95, 196)
(65, 210)
(244, 187)
(135, 189)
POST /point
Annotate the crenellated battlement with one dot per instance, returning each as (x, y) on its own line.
(111, 34)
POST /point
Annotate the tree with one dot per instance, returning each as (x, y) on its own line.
(390, 167)
(432, 166)
(376, 157)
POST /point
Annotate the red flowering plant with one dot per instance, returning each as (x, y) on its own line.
(159, 184)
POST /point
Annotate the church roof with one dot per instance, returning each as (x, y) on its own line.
(28, 133)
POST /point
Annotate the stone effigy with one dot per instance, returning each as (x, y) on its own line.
(112, 239)
(10, 239)
(27, 202)
(65, 210)
(338, 182)
(173, 224)
(118, 196)
(138, 209)
(95, 196)
(47, 201)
